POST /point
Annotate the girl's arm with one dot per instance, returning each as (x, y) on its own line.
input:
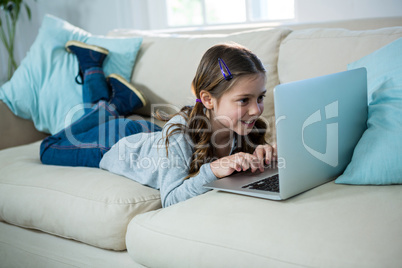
(175, 189)
(173, 186)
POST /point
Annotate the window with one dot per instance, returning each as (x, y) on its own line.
(217, 12)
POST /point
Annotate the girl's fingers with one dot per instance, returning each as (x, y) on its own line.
(264, 153)
(259, 153)
(251, 162)
(274, 153)
(244, 161)
(268, 154)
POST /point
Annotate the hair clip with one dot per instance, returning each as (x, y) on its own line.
(198, 100)
(229, 75)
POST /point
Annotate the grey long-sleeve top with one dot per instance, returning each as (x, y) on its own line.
(142, 157)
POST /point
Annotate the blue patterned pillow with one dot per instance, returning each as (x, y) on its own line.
(43, 88)
(377, 158)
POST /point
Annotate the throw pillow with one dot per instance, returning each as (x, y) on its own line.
(43, 88)
(377, 158)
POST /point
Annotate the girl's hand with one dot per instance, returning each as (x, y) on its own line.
(225, 166)
(265, 154)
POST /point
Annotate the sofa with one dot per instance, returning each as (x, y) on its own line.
(53, 216)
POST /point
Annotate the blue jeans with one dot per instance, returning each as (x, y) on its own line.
(85, 141)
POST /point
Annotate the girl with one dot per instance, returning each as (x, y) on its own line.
(221, 134)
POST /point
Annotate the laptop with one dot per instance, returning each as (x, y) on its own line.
(319, 121)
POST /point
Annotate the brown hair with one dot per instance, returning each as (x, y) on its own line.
(240, 62)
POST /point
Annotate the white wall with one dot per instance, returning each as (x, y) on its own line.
(324, 10)
(101, 16)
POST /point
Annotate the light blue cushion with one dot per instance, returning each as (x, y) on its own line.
(377, 158)
(43, 88)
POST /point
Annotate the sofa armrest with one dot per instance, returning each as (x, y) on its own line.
(15, 130)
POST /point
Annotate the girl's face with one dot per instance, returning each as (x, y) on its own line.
(239, 108)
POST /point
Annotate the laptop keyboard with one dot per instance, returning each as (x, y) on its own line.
(270, 184)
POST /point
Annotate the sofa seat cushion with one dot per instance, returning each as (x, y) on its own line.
(331, 225)
(85, 204)
(166, 65)
(314, 52)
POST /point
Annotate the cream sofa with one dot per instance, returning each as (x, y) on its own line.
(53, 216)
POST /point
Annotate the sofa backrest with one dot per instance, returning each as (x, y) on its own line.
(166, 65)
(319, 51)
(15, 130)
(353, 24)
(167, 61)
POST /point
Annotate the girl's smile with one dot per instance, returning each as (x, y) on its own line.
(248, 124)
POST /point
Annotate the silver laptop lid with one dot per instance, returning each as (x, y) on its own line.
(318, 123)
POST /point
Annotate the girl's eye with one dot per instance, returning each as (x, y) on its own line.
(261, 98)
(243, 101)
